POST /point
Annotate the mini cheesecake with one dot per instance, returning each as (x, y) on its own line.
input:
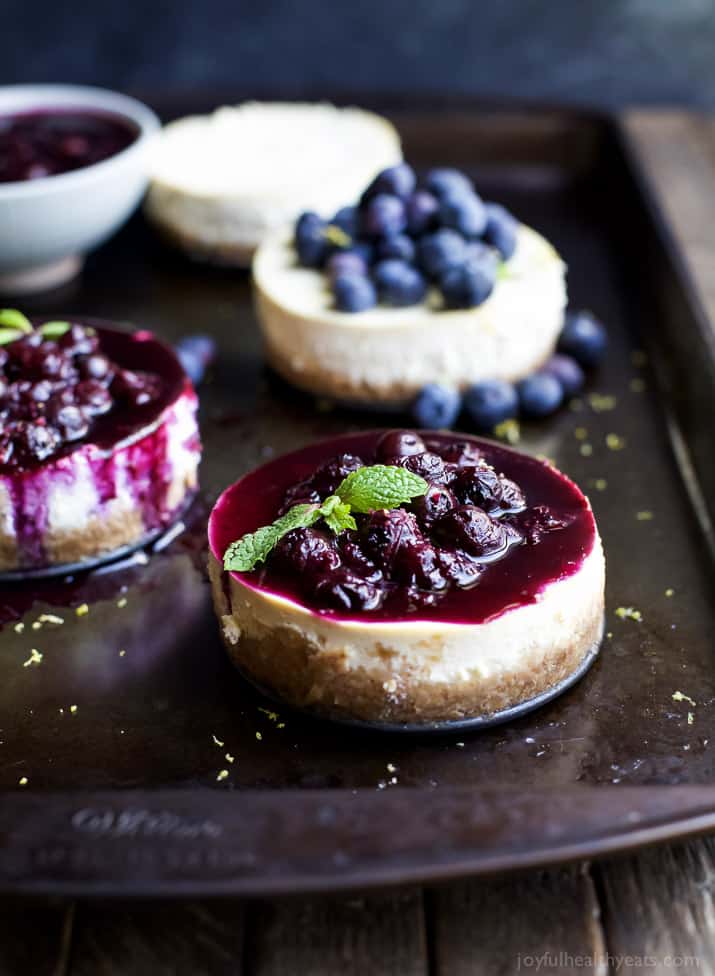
(388, 354)
(482, 594)
(99, 446)
(222, 182)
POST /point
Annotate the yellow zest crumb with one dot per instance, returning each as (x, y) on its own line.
(580, 433)
(259, 736)
(644, 516)
(669, 592)
(122, 653)
(281, 725)
(637, 385)
(19, 628)
(82, 610)
(576, 405)
(273, 716)
(230, 758)
(509, 431)
(601, 401)
(122, 602)
(36, 624)
(218, 742)
(586, 450)
(600, 484)
(628, 613)
(609, 635)
(23, 781)
(638, 357)
(691, 718)
(678, 696)
(391, 768)
(222, 775)
(34, 658)
(614, 442)
(73, 709)
(50, 618)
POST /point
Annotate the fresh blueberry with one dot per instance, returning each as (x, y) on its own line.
(540, 395)
(346, 262)
(464, 212)
(445, 180)
(501, 230)
(354, 293)
(196, 353)
(439, 251)
(310, 240)
(347, 220)
(472, 283)
(421, 208)
(384, 214)
(567, 371)
(398, 283)
(398, 180)
(584, 338)
(436, 406)
(491, 401)
(396, 246)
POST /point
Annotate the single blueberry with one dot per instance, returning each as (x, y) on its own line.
(540, 394)
(398, 283)
(421, 208)
(584, 338)
(196, 353)
(567, 371)
(383, 214)
(396, 246)
(346, 262)
(398, 180)
(501, 230)
(310, 240)
(464, 212)
(354, 293)
(472, 283)
(365, 249)
(446, 180)
(436, 406)
(439, 251)
(347, 220)
(488, 402)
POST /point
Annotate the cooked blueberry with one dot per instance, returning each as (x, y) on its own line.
(398, 443)
(460, 567)
(540, 395)
(349, 262)
(347, 220)
(310, 240)
(584, 338)
(501, 230)
(472, 283)
(385, 531)
(427, 465)
(35, 442)
(418, 563)
(422, 210)
(355, 559)
(383, 214)
(471, 529)
(353, 293)
(398, 180)
(93, 367)
(396, 246)
(71, 421)
(463, 212)
(398, 283)
(345, 590)
(78, 340)
(488, 402)
(436, 406)
(436, 502)
(438, 252)
(567, 371)
(461, 453)
(96, 399)
(330, 473)
(305, 551)
(446, 180)
(482, 486)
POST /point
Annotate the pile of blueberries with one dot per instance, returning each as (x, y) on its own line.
(582, 345)
(53, 391)
(401, 239)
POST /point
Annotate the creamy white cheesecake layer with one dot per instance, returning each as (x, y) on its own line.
(229, 178)
(427, 651)
(391, 353)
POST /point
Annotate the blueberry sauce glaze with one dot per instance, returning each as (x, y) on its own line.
(494, 529)
(48, 142)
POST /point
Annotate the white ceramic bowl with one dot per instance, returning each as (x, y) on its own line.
(49, 224)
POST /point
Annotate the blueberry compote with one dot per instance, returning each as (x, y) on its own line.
(46, 142)
(493, 529)
(98, 385)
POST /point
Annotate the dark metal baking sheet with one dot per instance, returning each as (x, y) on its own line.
(122, 731)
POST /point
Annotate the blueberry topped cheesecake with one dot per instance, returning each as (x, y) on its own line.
(406, 577)
(99, 445)
(415, 283)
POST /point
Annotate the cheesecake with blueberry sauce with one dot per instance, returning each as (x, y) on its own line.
(99, 445)
(416, 283)
(406, 577)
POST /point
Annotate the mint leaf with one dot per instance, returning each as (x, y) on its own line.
(11, 318)
(380, 486)
(337, 514)
(244, 554)
(9, 335)
(53, 330)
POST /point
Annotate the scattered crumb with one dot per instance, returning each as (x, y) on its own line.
(218, 742)
(222, 775)
(122, 653)
(34, 658)
(391, 768)
(36, 625)
(82, 610)
(580, 433)
(586, 450)
(50, 618)
(230, 758)
(669, 592)
(459, 745)
(23, 781)
(628, 613)
(637, 385)
(122, 602)
(18, 628)
(600, 484)
(601, 402)
(273, 716)
(259, 736)
(509, 431)
(576, 405)
(678, 696)
(73, 709)
(614, 442)
(691, 718)
(644, 516)
(609, 635)
(638, 357)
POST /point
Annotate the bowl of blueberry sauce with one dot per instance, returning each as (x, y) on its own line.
(73, 167)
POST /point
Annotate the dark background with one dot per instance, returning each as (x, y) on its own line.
(595, 52)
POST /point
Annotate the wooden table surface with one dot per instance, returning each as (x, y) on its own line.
(652, 912)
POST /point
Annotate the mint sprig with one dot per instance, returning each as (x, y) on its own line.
(14, 325)
(365, 490)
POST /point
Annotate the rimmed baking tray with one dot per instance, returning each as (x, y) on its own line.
(149, 767)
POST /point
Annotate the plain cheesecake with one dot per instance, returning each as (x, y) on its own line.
(99, 447)
(481, 594)
(222, 182)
